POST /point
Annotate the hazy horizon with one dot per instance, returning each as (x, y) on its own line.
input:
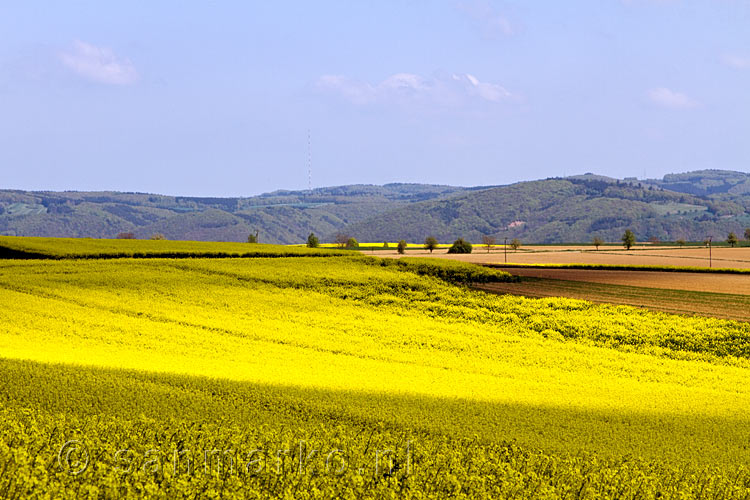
(333, 186)
(217, 100)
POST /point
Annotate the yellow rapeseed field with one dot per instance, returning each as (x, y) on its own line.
(353, 377)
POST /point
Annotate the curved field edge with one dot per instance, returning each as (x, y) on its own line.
(172, 436)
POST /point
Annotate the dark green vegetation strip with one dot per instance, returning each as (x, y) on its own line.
(12, 253)
(86, 248)
(451, 271)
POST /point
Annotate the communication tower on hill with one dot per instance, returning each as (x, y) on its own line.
(309, 161)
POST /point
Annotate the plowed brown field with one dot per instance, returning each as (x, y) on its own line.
(737, 284)
(717, 295)
(717, 305)
(641, 256)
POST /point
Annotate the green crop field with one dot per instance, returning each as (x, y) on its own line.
(354, 377)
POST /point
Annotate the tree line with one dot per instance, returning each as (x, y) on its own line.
(461, 245)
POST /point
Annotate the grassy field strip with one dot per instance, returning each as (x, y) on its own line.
(89, 248)
(717, 305)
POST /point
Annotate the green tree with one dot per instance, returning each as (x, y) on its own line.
(732, 239)
(460, 246)
(385, 244)
(488, 241)
(515, 244)
(312, 241)
(628, 239)
(252, 238)
(430, 243)
(352, 244)
(680, 242)
(401, 246)
(598, 242)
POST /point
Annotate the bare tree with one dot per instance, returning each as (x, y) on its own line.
(430, 243)
(341, 240)
(515, 244)
(488, 241)
(598, 242)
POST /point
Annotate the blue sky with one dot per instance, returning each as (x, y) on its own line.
(215, 98)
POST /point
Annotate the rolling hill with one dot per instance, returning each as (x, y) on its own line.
(717, 185)
(690, 205)
(281, 217)
(573, 209)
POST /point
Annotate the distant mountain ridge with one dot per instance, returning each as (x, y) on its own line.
(718, 184)
(280, 217)
(690, 205)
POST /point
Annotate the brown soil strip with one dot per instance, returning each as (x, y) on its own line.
(734, 284)
(716, 305)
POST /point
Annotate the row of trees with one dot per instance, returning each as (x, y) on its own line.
(628, 239)
(430, 243)
(460, 245)
(732, 238)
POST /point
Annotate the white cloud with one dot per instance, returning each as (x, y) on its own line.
(735, 61)
(352, 90)
(488, 91)
(490, 22)
(670, 99)
(405, 82)
(99, 64)
(452, 90)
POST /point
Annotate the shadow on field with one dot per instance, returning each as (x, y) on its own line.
(113, 394)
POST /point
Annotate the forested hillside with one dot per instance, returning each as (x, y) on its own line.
(690, 206)
(573, 209)
(280, 217)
